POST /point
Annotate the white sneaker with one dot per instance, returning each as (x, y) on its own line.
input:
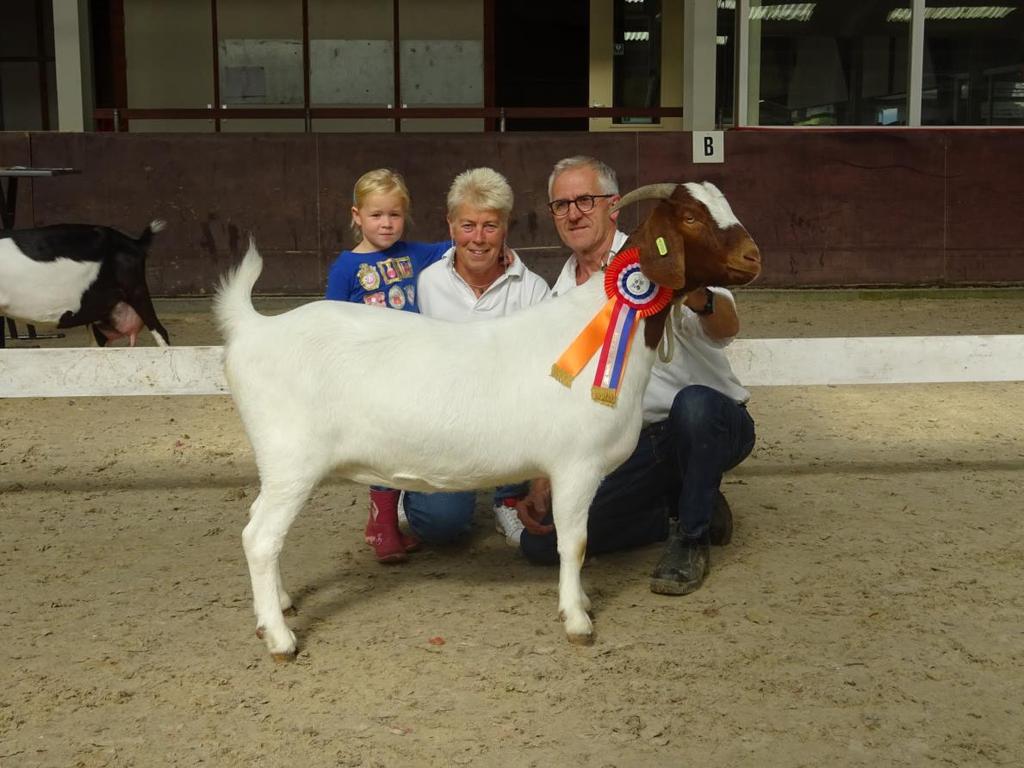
(507, 523)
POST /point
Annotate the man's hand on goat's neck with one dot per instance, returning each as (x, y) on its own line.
(723, 323)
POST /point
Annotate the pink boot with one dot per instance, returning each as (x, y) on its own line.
(382, 527)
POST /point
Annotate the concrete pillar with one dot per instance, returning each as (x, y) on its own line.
(700, 24)
(73, 55)
(915, 63)
(748, 65)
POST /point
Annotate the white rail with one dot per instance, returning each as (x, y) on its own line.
(106, 372)
(878, 360)
(94, 372)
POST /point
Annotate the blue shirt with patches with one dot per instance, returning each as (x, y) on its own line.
(385, 278)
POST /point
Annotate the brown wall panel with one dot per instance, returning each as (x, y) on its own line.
(842, 207)
(985, 214)
(828, 207)
(16, 149)
(212, 191)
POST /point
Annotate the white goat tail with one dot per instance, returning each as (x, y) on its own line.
(232, 305)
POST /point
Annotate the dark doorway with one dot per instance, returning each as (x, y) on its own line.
(28, 97)
(542, 52)
(104, 76)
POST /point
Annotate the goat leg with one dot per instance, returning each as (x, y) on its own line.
(101, 338)
(142, 303)
(270, 517)
(572, 493)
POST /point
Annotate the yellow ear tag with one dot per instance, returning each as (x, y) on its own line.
(662, 248)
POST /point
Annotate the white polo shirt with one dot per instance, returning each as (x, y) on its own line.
(442, 293)
(698, 359)
(567, 277)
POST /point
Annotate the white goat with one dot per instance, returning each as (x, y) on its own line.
(456, 406)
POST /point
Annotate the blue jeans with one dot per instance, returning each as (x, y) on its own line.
(674, 471)
(439, 518)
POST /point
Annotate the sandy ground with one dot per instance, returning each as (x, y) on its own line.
(867, 613)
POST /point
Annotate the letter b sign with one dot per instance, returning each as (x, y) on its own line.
(708, 147)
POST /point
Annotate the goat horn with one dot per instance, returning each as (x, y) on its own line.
(648, 192)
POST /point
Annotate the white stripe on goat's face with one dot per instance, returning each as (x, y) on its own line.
(41, 290)
(713, 199)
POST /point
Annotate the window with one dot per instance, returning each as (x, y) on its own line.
(27, 73)
(637, 58)
(725, 69)
(973, 65)
(260, 58)
(169, 61)
(351, 61)
(442, 60)
(830, 62)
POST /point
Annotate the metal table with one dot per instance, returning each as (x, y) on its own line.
(8, 207)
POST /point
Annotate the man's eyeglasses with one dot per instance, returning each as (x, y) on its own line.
(583, 203)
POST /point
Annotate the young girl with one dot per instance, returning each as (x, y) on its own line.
(381, 271)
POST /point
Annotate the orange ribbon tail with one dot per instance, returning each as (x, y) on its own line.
(578, 354)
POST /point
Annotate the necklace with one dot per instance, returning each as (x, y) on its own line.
(483, 287)
(476, 287)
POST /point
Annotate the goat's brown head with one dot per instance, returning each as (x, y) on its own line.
(692, 238)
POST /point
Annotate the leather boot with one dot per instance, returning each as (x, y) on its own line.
(683, 566)
(720, 527)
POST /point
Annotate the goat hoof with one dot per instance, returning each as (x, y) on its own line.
(284, 658)
(581, 639)
(291, 610)
(260, 632)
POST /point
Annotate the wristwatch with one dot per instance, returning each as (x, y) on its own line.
(709, 305)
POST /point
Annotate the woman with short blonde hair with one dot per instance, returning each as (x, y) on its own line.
(479, 278)
(482, 188)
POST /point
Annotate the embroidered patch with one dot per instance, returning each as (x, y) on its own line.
(389, 271)
(404, 266)
(396, 297)
(375, 299)
(410, 293)
(368, 277)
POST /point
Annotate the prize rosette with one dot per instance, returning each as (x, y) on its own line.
(623, 280)
(631, 295)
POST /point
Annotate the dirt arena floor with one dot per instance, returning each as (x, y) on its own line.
(867, 613)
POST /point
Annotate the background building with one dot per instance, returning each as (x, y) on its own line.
(451, 65)
(868, 142)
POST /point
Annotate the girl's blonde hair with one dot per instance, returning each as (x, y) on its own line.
(381, 181)
(482, 188)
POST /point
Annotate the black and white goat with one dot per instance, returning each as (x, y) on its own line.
(79, 274)
(457, 406)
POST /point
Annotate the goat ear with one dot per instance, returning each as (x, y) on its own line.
(661, 246)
